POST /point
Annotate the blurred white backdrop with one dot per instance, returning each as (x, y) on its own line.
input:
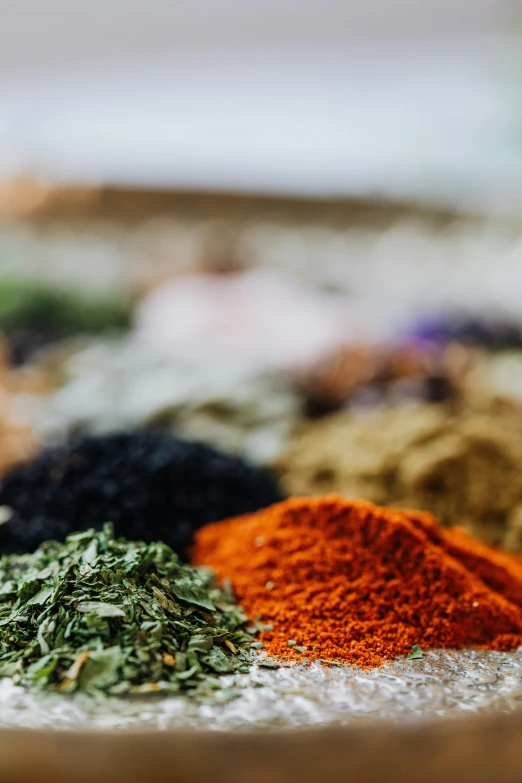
(389, 96)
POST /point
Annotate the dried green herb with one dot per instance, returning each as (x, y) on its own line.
(416, 653)
(30, 305)
(99, 614)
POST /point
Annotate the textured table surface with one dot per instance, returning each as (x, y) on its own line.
(443, 684)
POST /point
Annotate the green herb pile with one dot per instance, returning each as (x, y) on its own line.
(35, 315)
(98, 614)
(39, 306)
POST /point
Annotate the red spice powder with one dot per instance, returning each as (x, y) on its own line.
(358, 583)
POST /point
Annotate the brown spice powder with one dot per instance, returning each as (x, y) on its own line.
(465, 467)
(17, 442)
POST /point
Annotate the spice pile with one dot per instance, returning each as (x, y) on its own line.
(370, 376)
(33, 315)
(17, 442)
(256, 316)
(492, 333)
(349, 581)
(496, 379)
(153, 487)
(462, 466)
(117, 385)
(95, 614)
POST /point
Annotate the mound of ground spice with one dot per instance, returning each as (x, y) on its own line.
(463, 466)
(368, 376)
(17, 441)
(34, 315)
(153, 487)
(349, 581)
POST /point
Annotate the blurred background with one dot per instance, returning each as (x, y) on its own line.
(324, 98)
(237, 221)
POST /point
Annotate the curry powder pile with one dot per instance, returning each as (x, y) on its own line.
(463, 466)
(349, 581)
(17, 442)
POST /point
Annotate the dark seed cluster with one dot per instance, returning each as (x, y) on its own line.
(153, 487)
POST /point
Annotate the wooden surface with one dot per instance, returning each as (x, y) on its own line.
(33, 201)
(476, 749)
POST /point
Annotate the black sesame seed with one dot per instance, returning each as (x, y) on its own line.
(151, 486)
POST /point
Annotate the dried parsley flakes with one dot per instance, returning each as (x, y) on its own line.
(416, 653)
(99, 614)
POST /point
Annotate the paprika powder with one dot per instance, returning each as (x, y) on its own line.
(349, 581)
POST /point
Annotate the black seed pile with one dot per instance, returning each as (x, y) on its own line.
(151, 486)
